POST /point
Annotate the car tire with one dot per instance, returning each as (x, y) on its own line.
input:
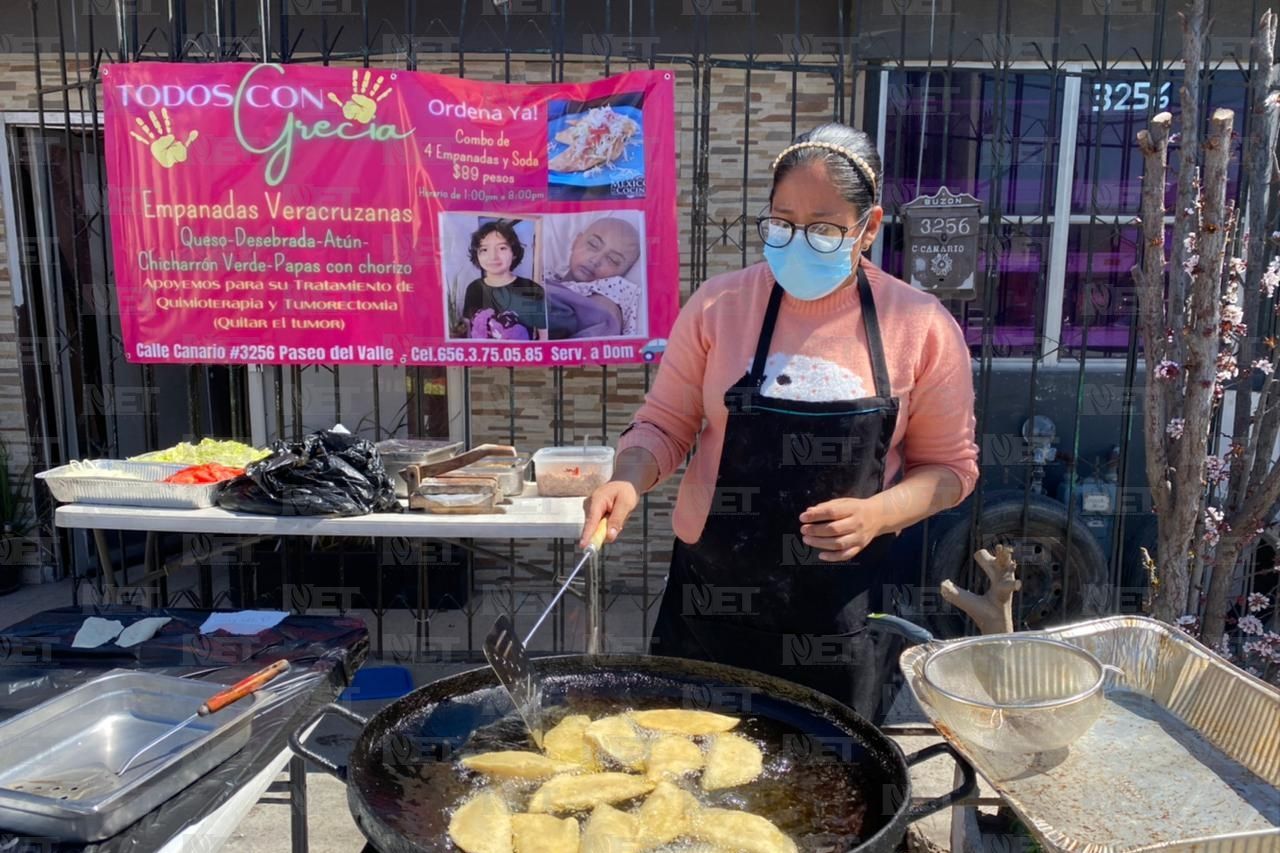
(1064, 579)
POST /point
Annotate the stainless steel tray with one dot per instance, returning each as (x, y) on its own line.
(1184, 757)
(58, 761)
(80, 482)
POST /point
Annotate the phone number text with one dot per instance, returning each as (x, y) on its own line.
(477, 355)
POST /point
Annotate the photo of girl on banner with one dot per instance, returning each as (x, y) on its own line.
(489, 266)
(594, 274)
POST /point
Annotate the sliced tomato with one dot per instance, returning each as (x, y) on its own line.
(203, 475)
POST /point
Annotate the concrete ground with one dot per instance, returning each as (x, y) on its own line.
(266, 829)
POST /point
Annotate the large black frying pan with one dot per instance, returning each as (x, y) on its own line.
(833, 781)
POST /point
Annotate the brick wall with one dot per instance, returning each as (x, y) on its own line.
(590, 394)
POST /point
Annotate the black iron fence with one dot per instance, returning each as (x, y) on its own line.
(1031, 106)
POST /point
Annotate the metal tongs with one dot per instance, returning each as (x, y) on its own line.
(509, 659)
(216, 703)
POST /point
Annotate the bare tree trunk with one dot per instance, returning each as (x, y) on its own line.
(1149, 277)
(1202, 335)
(1259, 149)
(1176, 524)
(1184, 218)
(1254, 430)
(1259, 168)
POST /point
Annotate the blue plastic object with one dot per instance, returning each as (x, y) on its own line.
(378, 682)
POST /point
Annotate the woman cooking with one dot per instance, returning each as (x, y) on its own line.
(831, 406)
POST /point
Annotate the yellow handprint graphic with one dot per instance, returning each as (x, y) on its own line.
(364, 99)
(165, 147)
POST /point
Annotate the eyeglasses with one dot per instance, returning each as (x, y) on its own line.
(825, 237)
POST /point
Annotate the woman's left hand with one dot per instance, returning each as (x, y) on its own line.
(841, 528)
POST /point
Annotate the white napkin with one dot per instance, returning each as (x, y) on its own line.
(141, 631)
(243, 623)
(95, 631)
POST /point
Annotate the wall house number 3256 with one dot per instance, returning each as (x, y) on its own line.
(1122, 97)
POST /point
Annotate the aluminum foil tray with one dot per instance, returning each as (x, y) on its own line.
(1184, 757)
(77, 483)
(58, 761)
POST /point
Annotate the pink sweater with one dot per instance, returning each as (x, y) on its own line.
(819, 349)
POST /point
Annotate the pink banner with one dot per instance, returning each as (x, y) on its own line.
(290, 214)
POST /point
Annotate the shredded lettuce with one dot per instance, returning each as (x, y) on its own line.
(234, 454)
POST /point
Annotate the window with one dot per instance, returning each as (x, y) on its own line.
(1102, 242)
(1063, 258)
(974, 132)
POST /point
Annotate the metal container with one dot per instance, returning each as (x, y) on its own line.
(396, 453)
(90, 482)
(511, 473)
(1012, 693)
(1184, 756)
(58, 761)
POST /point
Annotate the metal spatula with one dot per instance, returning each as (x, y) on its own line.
(506, 653)
(215, 703)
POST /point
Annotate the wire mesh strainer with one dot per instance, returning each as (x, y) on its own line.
(1015, 694)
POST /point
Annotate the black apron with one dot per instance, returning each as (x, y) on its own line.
(750, 593)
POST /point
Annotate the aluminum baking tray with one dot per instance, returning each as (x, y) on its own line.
(58, 761)
(83, 482)
(1184, 757)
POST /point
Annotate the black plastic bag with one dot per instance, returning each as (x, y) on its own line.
(327, 473)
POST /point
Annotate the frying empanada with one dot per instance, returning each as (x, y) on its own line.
(743, 831)
(731, 760)
(482, 824)
(569, 793)
(664, 815)
(618, 738)
(673, 756)
(610, 831)
(681, 722)
(566, 741)
(513, 764)
(542, 833)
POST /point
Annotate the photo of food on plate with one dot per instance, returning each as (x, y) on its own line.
(490, 269)
(595, 149)
(593, 274)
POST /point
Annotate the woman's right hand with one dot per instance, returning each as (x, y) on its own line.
(615, 501)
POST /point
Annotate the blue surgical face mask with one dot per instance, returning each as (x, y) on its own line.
(808, 274)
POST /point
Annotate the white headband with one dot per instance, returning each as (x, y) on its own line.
(858, 162)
